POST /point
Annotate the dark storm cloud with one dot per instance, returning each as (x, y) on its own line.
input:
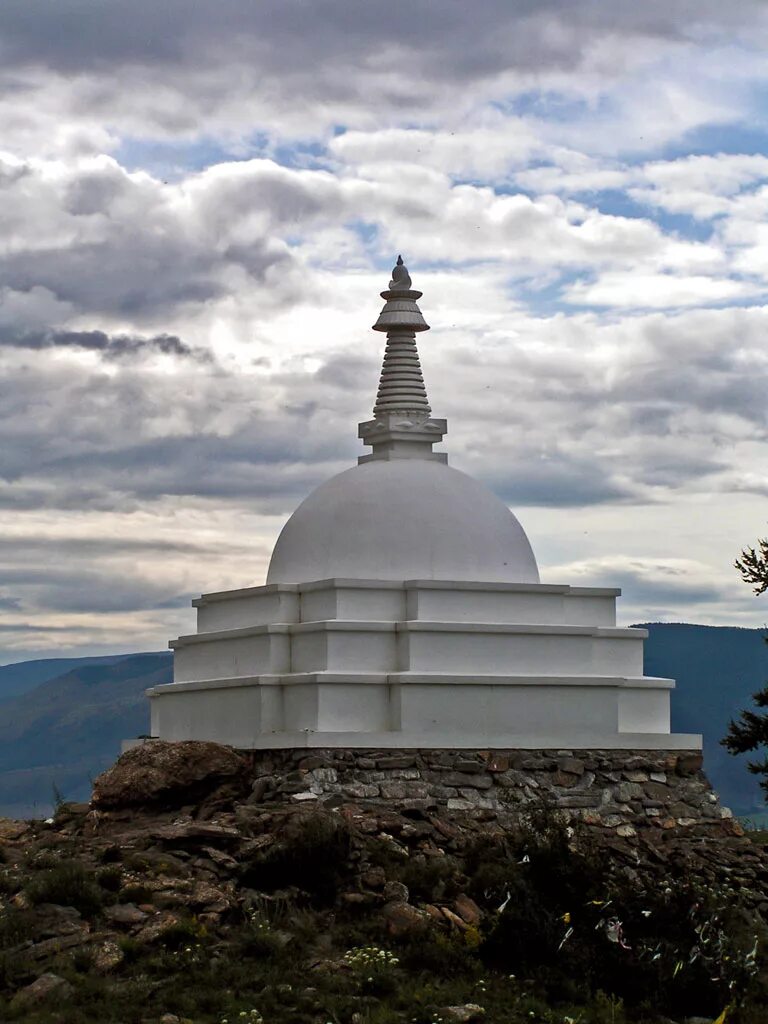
(173, 68)
(30, 627)
(76, 35)
(82, 589)
(121, 275)
(111, 345)
(558, 481)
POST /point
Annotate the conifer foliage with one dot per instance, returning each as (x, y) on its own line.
(750, 732)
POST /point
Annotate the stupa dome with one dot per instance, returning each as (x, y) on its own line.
(402, 514)
(403, 519)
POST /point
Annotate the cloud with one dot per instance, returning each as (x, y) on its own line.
(657, 291)
(114, 347)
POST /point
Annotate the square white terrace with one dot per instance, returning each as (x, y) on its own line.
(356, 645)
(348, 662)
(384, 600)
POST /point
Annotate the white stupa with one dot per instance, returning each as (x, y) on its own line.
(403, 608)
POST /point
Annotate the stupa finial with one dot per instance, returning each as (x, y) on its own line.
(402, 426)
(401, 279)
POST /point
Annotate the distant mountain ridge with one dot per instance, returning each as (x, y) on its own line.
(64, 731)
(61, 728)
(26, 675)
(717, 669)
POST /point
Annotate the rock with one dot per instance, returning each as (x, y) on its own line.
(41, 990)
(193, 833)
(11, 829)
(125, 913)
(463, 779)
(626, 791)
(395, 761)
(251, 846)
(170, 1018)
(393, 790)
(107, 956)
(166, 773)
(157, 927)
(402, 918)
(259, 789)
(208, 897)
(689, 763)
(51, 947)
(467, 909)
(563, 779)
(462, 1014)
(454, 919)
(396, 892)
(361, 790)
(52, 920)
(374, 878)
(626, 831)
(219, 858)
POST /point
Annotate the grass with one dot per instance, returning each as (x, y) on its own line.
(68, 885)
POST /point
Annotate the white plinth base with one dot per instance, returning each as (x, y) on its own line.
(463, 741)
(429, 664)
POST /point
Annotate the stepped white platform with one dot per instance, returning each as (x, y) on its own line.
(403, 608)
(417, 663)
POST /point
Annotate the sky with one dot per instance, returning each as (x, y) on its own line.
(199, 204)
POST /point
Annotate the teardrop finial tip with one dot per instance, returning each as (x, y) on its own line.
(401, 279)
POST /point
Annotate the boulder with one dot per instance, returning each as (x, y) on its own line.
(125, 914)
(396, 892)
(462, 1014)
(42, 989)
(467, 909)
(11, 829)
(157, 927)
(403, 919)
(107, 956)
(170, 774)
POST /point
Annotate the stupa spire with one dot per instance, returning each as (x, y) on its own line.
(402, 426)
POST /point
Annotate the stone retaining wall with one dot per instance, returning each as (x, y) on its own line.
(621, 790)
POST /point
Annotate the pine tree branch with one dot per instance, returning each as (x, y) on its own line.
(753, 566)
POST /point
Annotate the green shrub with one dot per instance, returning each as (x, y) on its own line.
(313, 855)
(135, 894)
(443, 954)
(68, 885)
(186, 932)
(109, 878)
(259, 939)
(16, 926)
(428, 878)
(111, 855)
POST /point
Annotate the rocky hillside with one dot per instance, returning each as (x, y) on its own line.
(190, 890)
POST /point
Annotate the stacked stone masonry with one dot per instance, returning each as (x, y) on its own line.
(613, 790)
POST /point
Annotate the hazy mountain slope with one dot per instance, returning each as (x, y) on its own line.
(69, 729)
(717, 669)
(26, 675)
